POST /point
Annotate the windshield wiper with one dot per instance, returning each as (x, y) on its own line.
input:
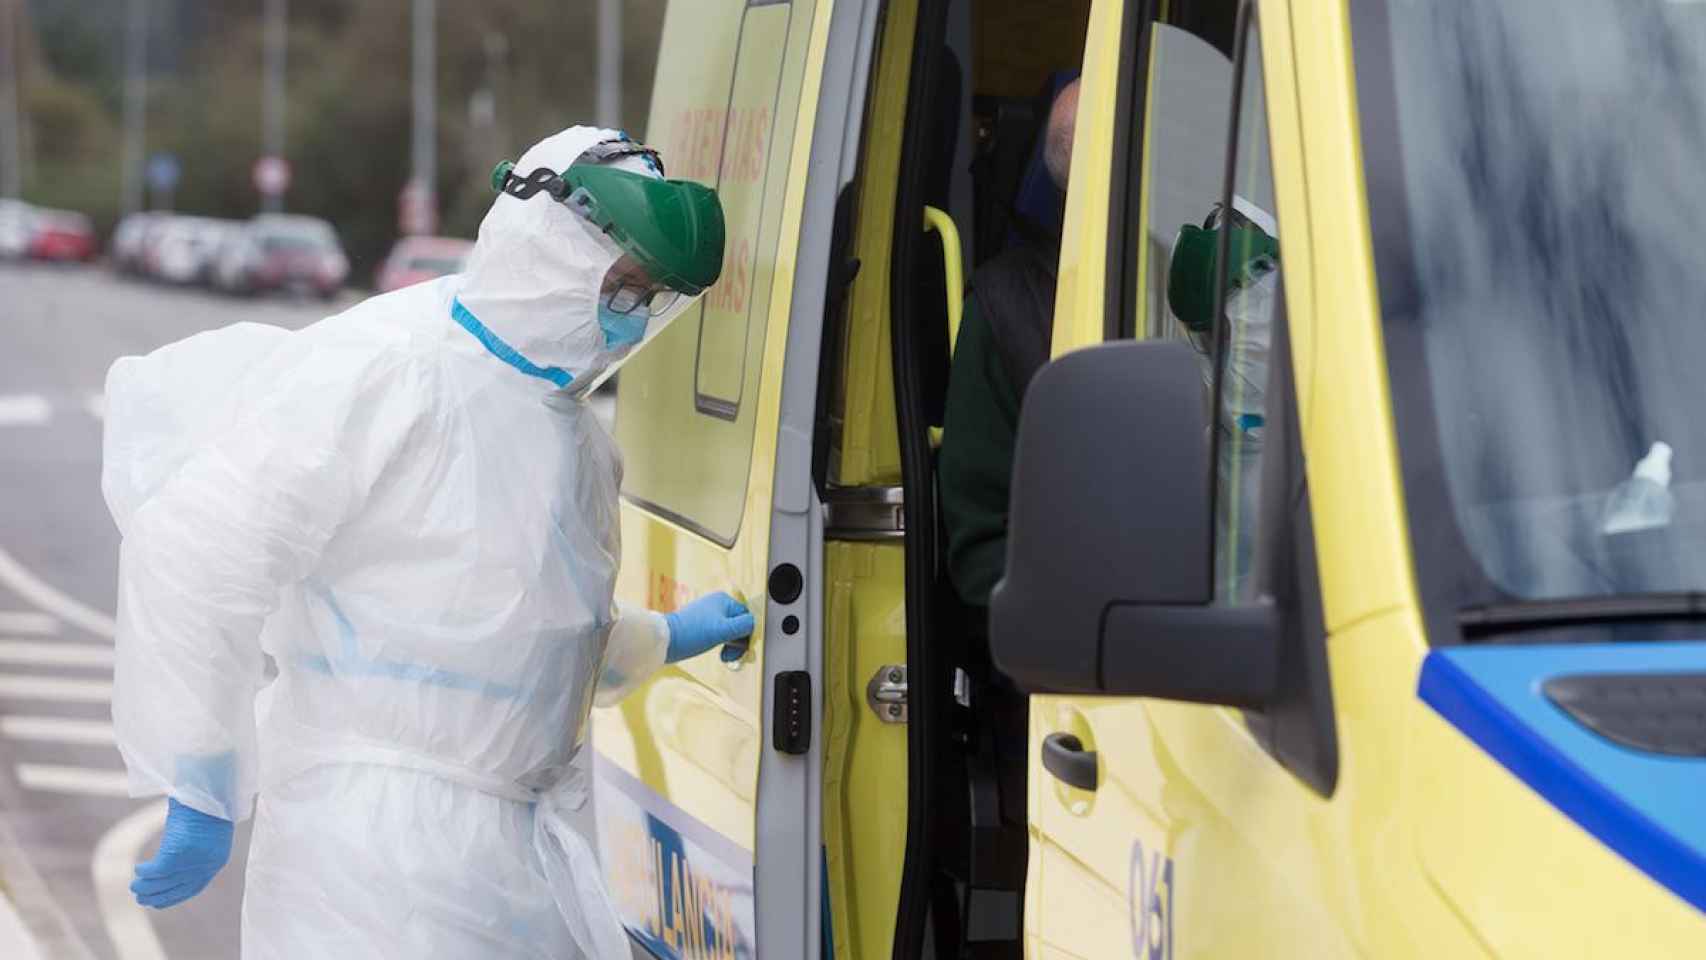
(1577, 611)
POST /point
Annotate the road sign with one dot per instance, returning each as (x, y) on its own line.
(417, 213)
(272, 175)
(163, 172)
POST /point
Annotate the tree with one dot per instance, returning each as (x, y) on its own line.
(349, 109)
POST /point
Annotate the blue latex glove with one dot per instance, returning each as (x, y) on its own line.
(192, 849)
(710, 621)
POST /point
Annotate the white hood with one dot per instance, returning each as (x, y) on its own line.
(535, 274)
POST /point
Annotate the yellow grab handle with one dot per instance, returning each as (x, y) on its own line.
(939, 221)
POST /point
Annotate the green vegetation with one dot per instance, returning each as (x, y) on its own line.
(509, 72)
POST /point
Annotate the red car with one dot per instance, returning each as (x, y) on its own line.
(281, 252)
(415, 259)
(62, 235)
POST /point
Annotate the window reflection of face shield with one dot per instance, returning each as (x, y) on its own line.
(1252, 251)
(1251, 282)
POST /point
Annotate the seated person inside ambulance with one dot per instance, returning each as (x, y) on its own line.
(1005, 337)
(1003, 341)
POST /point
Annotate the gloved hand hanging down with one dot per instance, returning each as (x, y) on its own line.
(193, 847)
(710, 621)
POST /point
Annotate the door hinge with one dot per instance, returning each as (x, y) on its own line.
(864, 513)
(886, 693)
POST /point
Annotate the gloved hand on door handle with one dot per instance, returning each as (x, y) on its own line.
(710, 621)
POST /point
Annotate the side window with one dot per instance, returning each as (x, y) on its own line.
(1191, 218)
(1249, 299)
(742, 177)
(686, 405)
(1188, 76)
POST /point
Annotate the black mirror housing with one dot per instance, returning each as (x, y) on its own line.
(1109, 575)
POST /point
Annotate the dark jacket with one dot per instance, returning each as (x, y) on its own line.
(1003, 341)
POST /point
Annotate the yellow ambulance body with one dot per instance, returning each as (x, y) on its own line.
(1333, 756)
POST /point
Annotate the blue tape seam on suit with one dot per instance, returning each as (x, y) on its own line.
(503, 351)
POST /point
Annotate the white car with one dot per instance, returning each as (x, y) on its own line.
(129, 240)
(16, 228)
(185, 248)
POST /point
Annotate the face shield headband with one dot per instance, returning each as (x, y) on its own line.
(505, 180)
(671, 232)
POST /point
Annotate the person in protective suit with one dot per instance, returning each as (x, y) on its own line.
(411, 511)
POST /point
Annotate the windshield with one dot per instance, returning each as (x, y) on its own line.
(1533, 176)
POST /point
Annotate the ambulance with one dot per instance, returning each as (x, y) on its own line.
(1360, 620)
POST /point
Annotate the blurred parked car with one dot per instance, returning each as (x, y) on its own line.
(283, 252)
(129, 240)
(415, 259)
(15, 230)
(184, 249)
(62, 235)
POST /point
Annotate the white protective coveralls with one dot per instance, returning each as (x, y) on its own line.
(422, 536)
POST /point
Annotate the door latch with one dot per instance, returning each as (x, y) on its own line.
(886, 693)
(793, 712)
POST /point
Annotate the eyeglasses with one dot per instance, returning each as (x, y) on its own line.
(629, 288)
(628, 298)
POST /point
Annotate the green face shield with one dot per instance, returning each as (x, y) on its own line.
(1191, 274)
(672, 229)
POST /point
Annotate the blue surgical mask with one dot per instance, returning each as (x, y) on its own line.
(621, 329)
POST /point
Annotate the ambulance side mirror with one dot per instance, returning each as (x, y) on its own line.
(1110, 541)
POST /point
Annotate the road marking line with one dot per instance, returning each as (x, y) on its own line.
(96, 404)
(15, 936)
(81, 781)
(48, 653)
(32, 588)
(54, 934)
(116, 856)
(24, 410)
(55, 688)
(28, 621)
(57, 730)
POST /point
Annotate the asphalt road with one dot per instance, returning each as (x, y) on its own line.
(62, 788)
(69, 835)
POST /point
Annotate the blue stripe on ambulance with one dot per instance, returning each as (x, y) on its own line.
(1645, 806)
(684, 891)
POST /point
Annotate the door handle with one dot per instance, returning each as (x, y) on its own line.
(733, 653)
(1066, 759)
